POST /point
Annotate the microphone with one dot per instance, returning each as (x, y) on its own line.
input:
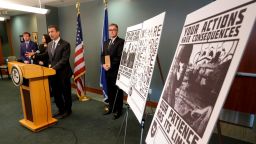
(31, 57)
(37, 52)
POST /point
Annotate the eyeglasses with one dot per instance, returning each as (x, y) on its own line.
(112, 30)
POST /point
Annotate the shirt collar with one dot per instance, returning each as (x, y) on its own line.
(113, 39)
(56, 41)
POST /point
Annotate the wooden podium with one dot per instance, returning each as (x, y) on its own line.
(35, 95)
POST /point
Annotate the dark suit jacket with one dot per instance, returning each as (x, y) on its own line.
(37, 57)
(115, 52)
(60, 60)
(23, 50)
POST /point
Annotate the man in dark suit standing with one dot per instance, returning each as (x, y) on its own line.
(27, 46)
(58, 53)
(113, 48)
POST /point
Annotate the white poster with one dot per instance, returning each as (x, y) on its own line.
(144, 64)
(128, 57)
(211, 45)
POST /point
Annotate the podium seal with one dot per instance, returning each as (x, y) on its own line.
(16, 75)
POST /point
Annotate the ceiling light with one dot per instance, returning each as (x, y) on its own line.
(19, 7)
(2, 18)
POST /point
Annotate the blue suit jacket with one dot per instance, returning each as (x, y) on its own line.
(23, 49)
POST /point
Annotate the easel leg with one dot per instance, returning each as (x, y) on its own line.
(219, 132)
(125, 121)
(142, 129)
(1, 74)
(113, 107)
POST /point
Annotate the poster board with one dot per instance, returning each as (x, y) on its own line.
(210, 48)
(128, 57)
(144, 63)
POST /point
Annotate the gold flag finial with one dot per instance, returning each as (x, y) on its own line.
(106, 3)
(78, 6)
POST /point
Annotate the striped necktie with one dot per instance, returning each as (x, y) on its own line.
(110, 44)
(26, 45)
(53, 48)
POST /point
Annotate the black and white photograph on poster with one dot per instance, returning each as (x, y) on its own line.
(128, 57)
(195, 80)
(210, 48)
(144, 64)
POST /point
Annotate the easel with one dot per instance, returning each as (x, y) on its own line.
(219, 132)
(125, 121)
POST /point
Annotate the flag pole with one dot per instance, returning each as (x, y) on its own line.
(78, 6)
(83, 96)
(105, 2)
(103, 83)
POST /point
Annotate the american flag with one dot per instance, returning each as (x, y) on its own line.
(79, 67)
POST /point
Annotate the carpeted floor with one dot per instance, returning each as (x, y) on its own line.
(86, 125)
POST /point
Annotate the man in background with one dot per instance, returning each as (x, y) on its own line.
(112, 49)
(26, 47)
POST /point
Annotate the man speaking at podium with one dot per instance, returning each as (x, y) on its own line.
(58, 54)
